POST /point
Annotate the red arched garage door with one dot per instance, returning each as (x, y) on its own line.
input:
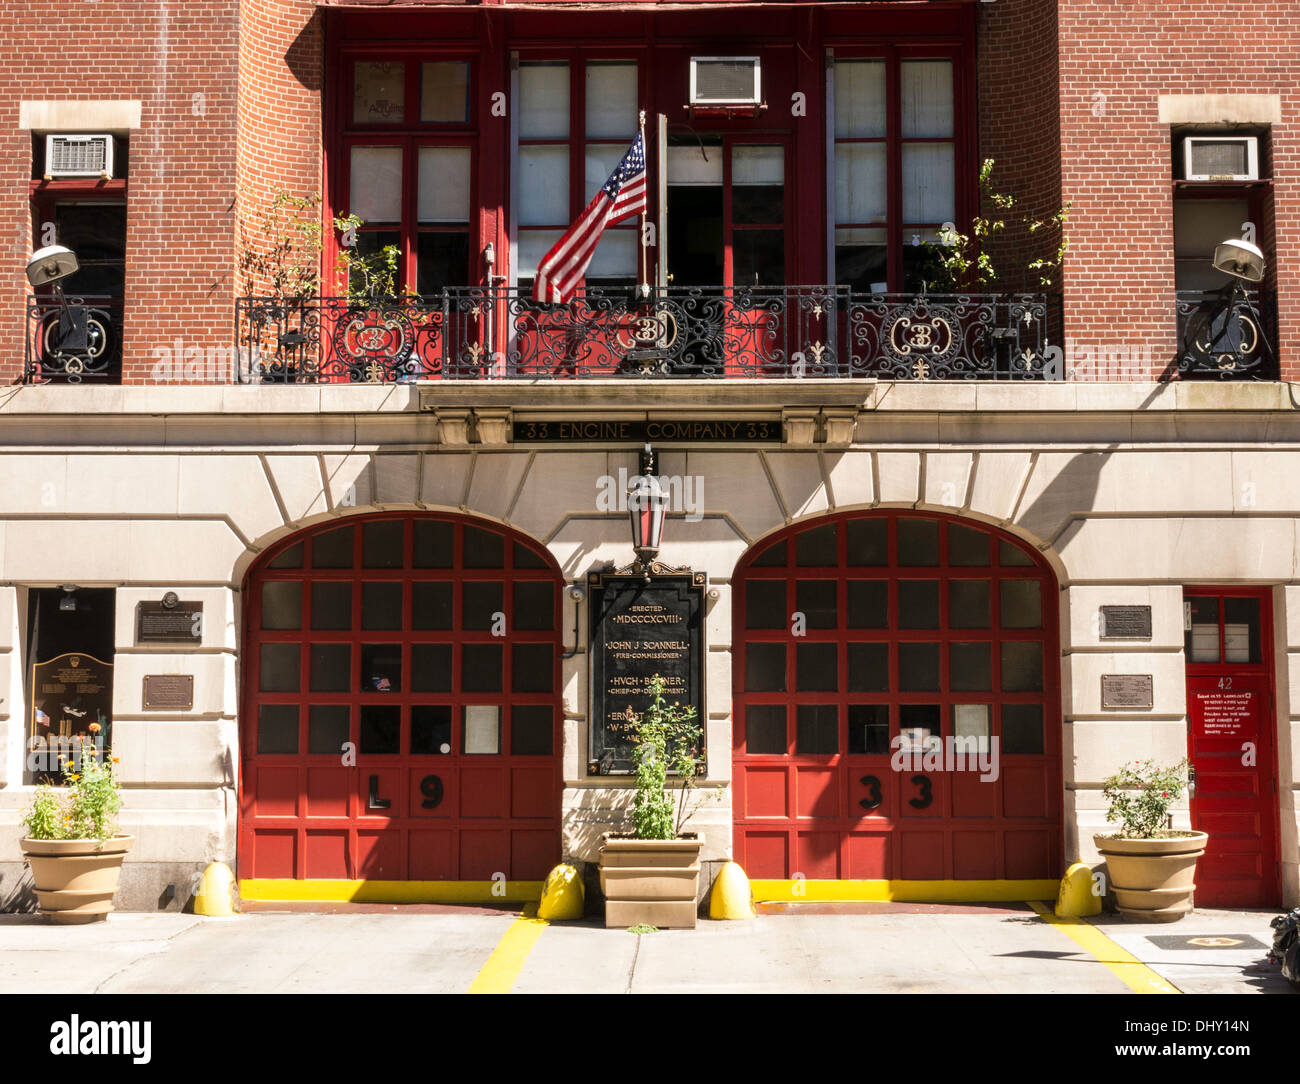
(854, 629)
(401, 704)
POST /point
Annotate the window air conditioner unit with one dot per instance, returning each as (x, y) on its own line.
(79, 156)
(1221, 158)
(726, 81)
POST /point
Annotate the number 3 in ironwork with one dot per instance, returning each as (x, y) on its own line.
(925, 797)
(873, 792)
(431, 788)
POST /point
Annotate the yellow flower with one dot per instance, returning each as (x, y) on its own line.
(116, 761)
(73, 776)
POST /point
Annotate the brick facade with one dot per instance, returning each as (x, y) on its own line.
(1093, 72)
(1115, 60)
(178, 60)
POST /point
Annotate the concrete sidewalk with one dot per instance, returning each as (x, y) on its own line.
(889, 948)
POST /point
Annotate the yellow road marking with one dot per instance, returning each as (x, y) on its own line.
(498, 975)
(1135, 974)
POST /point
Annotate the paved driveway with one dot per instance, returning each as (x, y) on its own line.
(875, 948)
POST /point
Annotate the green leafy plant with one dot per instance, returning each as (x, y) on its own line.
(963, 261)
(1139, 797)
(365, 278)
(666, 739)
(86, 809)
(283, 259)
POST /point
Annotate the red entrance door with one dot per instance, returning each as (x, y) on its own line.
(401, 704)
(1231, 727)
(862, 639)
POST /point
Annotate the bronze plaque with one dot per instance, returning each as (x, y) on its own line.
(641, 628)
(169, 691)
(71, 702)
(1126, 622)
(158, 623)
(1127, 691)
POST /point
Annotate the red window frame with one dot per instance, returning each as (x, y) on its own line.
(410, 135)
(964, 140)
(577, 59)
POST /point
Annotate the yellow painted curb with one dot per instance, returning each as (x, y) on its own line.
(1076, 898)
(906, 891)
(498, 975)
(731, 898)
(329, 891)
(212, 896)
(563, 896)
(1135, 974)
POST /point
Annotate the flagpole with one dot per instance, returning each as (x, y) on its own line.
(644, 287)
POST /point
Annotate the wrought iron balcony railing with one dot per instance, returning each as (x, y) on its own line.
(73, 340)
(755, 332)
(1228, 334)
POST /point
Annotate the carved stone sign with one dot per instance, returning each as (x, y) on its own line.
(654, 430)
(169, 691)
(639, 629)
(156, 622)
(1127, 691)
(1126, 622)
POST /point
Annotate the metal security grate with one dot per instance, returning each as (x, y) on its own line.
(1226, 159)
(78, 154)
(726, 80)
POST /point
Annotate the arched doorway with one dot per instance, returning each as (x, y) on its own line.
(401, 711)
(858, 638)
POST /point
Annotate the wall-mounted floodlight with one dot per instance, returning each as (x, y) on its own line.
(50, 264)
(1240, 259)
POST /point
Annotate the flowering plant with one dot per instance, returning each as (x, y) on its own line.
(1140, 796)
(87, 809)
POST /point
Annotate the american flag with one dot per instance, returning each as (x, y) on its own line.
(619, 198)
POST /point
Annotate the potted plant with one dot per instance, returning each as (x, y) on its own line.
(1152, 866)
(72, 843)
(651, 876)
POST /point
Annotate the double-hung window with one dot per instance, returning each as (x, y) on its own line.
(409, 163)
(576, 119)
(897, 149)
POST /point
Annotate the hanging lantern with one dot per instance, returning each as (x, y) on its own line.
(647, 503)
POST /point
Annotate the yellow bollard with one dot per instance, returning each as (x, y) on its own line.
(731, 897)
(563, 896)
(213, 896)
(1076, 899)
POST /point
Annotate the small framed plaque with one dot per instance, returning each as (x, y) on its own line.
(1126, 623)
(159, 623)
(1127, 691)
(174, 691)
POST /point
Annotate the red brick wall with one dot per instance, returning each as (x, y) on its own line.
(1115, 60)
(1113, 160)
(182, 159)
(1018, 121)
(281, 65)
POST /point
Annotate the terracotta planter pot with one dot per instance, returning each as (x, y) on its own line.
(1153, 879)
(75, 879)
(650, 882)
